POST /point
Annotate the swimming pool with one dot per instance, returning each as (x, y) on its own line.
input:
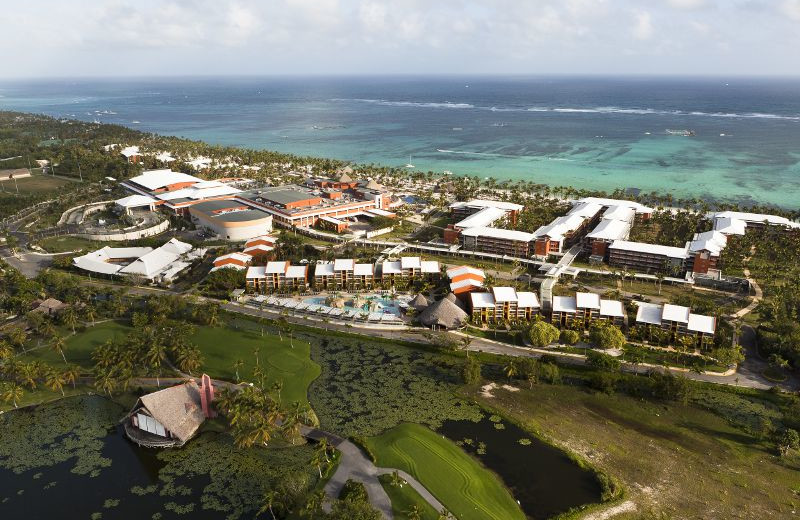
(363, 302)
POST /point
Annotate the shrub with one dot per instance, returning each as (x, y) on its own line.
(542, 334)
(569, 337)
(353, 491)
(606, 335)
(471, 372)
(602, 361)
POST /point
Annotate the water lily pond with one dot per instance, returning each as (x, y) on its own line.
(68, 459)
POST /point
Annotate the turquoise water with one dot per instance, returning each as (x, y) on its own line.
(388, 305)
(597, 133)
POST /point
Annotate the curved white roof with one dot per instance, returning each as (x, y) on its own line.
(135, 201)
(155, 179)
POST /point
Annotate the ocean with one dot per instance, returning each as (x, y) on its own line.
(598, 133)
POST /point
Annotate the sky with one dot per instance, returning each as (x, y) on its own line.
(43, 38)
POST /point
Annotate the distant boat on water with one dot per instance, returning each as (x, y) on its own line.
(683, 133)
(409, 165)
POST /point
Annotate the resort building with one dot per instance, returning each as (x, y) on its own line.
(237, 261)
(564, 311)
(705, 250)
(585, 308)
(260, 247)
(177, 191)
(738, 222)
(162, 264)
(641, 211)
(231, 220)
(647, 257)
(504, 304)
(363, 276)
(480, 213)
(612, 311)
(677, 321)
(343, 272)
(497, 241)
(324, 278)
(296, 277)
(615, 224)
(136, 201)
(465, 279)
(172, 416)
(559, 235)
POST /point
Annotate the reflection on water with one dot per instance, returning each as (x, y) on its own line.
(541, 478)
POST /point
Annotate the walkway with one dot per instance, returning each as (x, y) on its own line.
(759, 294)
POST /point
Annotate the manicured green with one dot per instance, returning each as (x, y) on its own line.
(80, 346)
(283, 360)
(404, 497)
(466, 488)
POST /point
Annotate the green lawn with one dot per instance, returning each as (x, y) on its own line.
(80, 346)
(292, 365)
(34, 184)
(466, 488)
(62, 244)
(404, 498)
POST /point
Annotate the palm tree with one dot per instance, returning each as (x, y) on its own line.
(54, 381)
(510, 370)
(278, 386)
(104, 381)
(71, 375)
(414, 513)
(270, 497)
(70, 318)
(91, 313)
(12, 393)
(155, 356)
(58, 344)
(236, 366)
(314, 503)
(17, 336)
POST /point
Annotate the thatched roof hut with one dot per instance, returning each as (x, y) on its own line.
(453, 298)
(168, 417)
(345, 178)
(373, 185)
(443, 314)
(419, 302)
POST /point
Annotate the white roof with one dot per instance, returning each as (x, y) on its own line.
(585, 209)
(483, 218)
(610, 230)
(227, 266)
(174, 245)
(564, 304)
(464, 269)
(624, 213)
(757, 217)
(267, 238)
(730, 226)
(527, 300)
(612, 308)
(379, 212)
(483, 203)
(325, 269)
(296, 271)
(641, 247)
(343, 264)
(649, 313)
(165, 157)
(410, 262)
(130, 151)
(700, 323)
(257, 271)
(506, 234)
(242, 257)
(469, 282)
(711, 241)
(482, 300)
(135, 201)
(639, 208)
(258, 248)
(96, 265)
(391, 267)
(277, 267)
(677, 313)
(430, 266)
(118, 253)
(559, 227)
(155, 179)
(504, 294)
(364, 269)
(332, 220)
(585, 300)
(200, 191)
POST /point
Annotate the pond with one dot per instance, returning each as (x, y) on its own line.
(70, 460)
(542, 478)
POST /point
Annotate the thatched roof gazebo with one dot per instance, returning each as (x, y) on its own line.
(443, 314)
(419, 303)
(453, 298)
(373, 185)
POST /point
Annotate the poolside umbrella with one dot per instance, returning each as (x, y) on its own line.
(419, 302)
(443, 314)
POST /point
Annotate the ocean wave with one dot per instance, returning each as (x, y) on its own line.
(419, 104)
(578, 110)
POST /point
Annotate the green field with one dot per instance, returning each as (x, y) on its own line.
(33, 185)
(404, 498)
(465, 487)
(675, 461)
(66, 243)
(222, 346)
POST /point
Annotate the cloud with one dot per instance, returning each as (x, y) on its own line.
(687, 4)
(643, 26)
(791, 8)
